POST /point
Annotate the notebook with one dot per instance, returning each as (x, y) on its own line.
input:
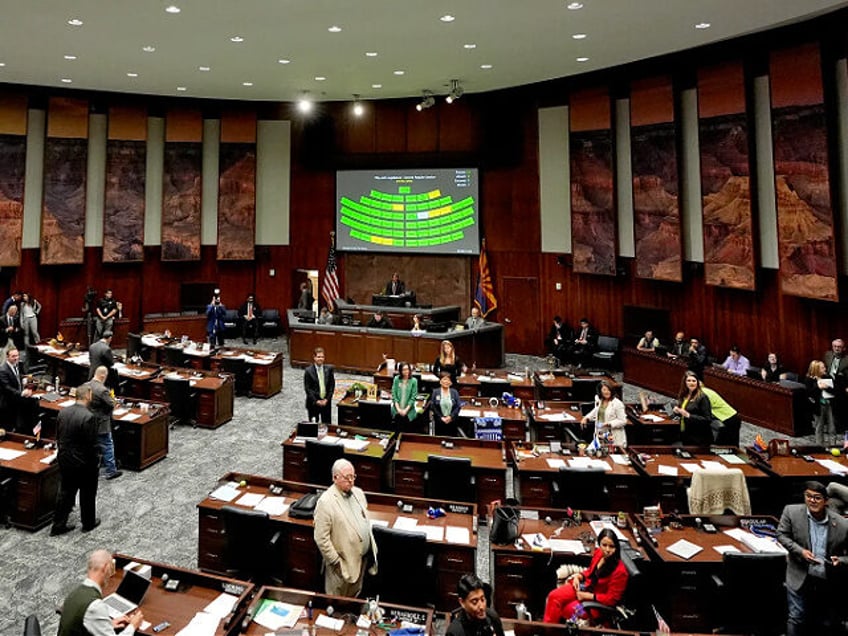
(129, 594)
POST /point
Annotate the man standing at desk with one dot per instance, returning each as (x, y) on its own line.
(343, 533)
(11, 332)
(102, 405)
(319, 382)
(475, 320)
(84, 611)
(817, 541)
(395, 287)
(16, 406)
(100, 355)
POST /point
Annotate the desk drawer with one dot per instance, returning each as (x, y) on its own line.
(458, 560)
(513, 563)
(409, 479)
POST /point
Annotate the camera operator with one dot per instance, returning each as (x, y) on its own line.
(107, 309)
(215, 312)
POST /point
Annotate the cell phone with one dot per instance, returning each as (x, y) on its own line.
(808, 458)
(161, 626)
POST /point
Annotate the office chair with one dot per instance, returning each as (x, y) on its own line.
(580, 489)
(231, 323)
(376, 415)
(6, 493)
(406, 573)
(176, 357)
(36, 364)
(606, 356)
(31, 626)
(242, 372)
(751, 593)
(250, 544)
(136, 348)
(320, 458)
(712, 492)
(271, 322)
(182, 399)
(621, 615)
(493, 388)
(450, 479)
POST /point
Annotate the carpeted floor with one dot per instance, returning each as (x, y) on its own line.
(152, 514)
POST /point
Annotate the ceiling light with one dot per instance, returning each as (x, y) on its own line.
(574, 6)
(131, 74)
(485, 67)
(427, 101)
(247, 83)
(284, 61)
(456, 91)
(148, 49)
(376, 86)
(579, 36)
(582, 59)
(703, 25)
(320, 78)
(237, 39)
(304, 105)
(75, 22)
(70, 57)
(358, 108)
(469, 46)
(399, 72)
(334, 29)
(205, 69)
(67, 80)
(370, 53)
(447, 18)
(182, 88)
(2, 64)
(173, 9)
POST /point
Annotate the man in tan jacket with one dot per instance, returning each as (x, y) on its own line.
(343, 533)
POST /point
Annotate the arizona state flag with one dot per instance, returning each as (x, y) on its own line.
(484, 296)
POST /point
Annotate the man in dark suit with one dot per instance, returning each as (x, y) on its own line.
(100, 355)
(17, 406)
(817, 541)
(558, 339)
(319, 382)
(79, 461)
(249, 314)
(395, 287)
(836, 364)
(11, 332)
(215, 312)
(585, 343)
(102, 405)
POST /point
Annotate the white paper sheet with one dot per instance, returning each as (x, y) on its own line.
(250, 499)
(690, 467)
(8, 454)
(650, 417)
(336, 624)
(684, 549)
(202, 624)
(434, 533)
(555, 463)
(405, 523)
(379, 522)
(621, 460)
(222, 605)
(536, 541)
(722, 549)
(274, 506)
(466, 412)
(276, 615)
(668, 471)
(455, 534)
(130, 417)
(67, 403)
(571, 546)
(733, 459)
(711, 464)
(357, 445)
(224, 493)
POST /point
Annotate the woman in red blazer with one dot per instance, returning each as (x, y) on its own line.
(603, 581)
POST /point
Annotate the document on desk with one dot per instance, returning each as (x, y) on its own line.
(589, 462)
(203, 624)
(379, 522)
(130, 417)
(597, 525)
(120, 412)
(336, 624)
(730, 458)
(754, 543)
(50, 458)
(570, 546)
(274, 506)
(434, 533)
(650, 417)
(711, 464)
(466, 412)
(555, 463)
(330, 439)
(557, 417)
(357, 445)
(405, 523)
(689, 466)
(8, 454)
(250, 499)
(834, 467)
(222, 605)
(278, 615)
(456, 534)
(684, 549)
(227, 492)
(621, 460)
(668, 471)
(536, 541)
(724, 549)
(429, 377)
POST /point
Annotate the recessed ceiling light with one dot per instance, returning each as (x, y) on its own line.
(574, 6)
(247, 83)
(334, 29)
(370, 53)
(376, 86)
(173, 9)
(70, 57)
(703, 25)
(469, 46)
(283, 60)
(75, 22)
(67, 80)
(447, 18)
(148, 49)
(2, 64)
(131, 74)
(399, 72)
(320, 78)
(204, 68)
(182, 88)
(485, 67)
(237, 39)
(579, 36)
(582, 59)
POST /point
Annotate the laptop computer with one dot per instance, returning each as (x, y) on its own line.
(129, 594)
(307, 429)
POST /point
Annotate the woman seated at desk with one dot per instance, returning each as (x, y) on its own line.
(604, 581)
(417, 329)
(445, 406)
(448, 361)
(404, 392)
(773, 370)
(609, 415)
(695, 412)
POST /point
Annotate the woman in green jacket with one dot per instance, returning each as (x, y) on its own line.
(404, 392)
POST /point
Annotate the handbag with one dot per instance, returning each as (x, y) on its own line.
(504, 525)
(304, 508)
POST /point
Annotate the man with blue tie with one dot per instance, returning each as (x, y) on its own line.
(319, 382)
(16, 407)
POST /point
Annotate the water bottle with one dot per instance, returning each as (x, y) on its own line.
(56, 383)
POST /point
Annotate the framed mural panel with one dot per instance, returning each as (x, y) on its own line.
(126, 166)
(13, 127)
(237, 187)
(182, 186)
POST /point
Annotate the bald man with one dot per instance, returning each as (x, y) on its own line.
(84, 611)
(343, 533)
(102, 405)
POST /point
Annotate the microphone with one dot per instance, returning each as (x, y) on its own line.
(400, 504)
(548, 520)
(165, 578)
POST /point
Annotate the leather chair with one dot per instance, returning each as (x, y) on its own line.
(580, 489)
(623, 615)
(271, 322)
(231, 323)
(182, 399)
(176, 357)
(36, 364)
(606, 355)
(135, 348)
(31, 626)
(406, 572)
(251, 546)
(242, 372)
(751, 593)
(320, 458)
(376, 415)
(450, 479)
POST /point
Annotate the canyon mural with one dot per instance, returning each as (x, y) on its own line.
(123, 213)
(236, 201)
(63, 206)
(181, 196)
(12, 173)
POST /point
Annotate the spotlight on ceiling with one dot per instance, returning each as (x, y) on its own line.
(358, 108)
(304, 104)
(427, 101)
(456, 91)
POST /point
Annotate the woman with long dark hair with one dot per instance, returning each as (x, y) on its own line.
(603, 581)
(695, 412)
(404, 393)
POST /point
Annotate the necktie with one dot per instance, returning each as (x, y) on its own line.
(250, 311)
(17, 374)
(322, 389)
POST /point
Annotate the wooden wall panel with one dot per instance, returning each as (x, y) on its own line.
(423, 130)
(391, 126)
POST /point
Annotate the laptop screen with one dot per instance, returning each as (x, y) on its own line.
(133, 587)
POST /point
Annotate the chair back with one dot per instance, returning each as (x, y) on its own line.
(247, 534)
(714, 491)
(450, 479)
(753, 580)
(581, 489)
(133, 345)
(607, 344)
(320, 458)
(242, 373)
(231, 318)
(376, 415)
(403, 573)
(175, 357)
(32, 626)
(178, 394)
(272, 322)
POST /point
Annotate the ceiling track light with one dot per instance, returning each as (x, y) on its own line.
(427, 101)
(456, 91)
(358, 108)
(304, 104)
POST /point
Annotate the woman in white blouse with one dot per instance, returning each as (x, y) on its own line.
(608, 415)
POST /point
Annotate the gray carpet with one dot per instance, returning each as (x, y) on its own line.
(152, 514)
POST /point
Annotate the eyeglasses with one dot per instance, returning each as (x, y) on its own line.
(813, 497)
(348, 477)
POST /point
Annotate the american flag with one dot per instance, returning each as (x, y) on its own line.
(330, 289)
(484, 295)
(36, 430)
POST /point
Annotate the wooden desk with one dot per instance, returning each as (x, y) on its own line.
(347, 413)
(399, 314)
(556, 420)
(215, 394)
(372, 465)
(534, 476)
(488, 461)
(513, 420)
(33, 496)
(136, 378)
(557, 385)
(193, 326)
(766, 404)
(74, 330)
(683, 598)
(301, 562)
(196, 591)
(471, 384)
(527, 574)
(652, 427)
(341, 606)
